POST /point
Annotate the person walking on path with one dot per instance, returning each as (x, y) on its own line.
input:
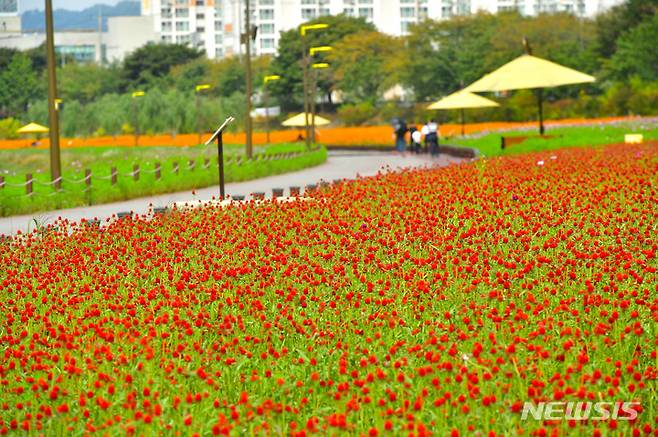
(412, 130)
(399, 131)
(431, 133)
(416, 139)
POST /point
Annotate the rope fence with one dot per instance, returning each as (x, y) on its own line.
(114, 175)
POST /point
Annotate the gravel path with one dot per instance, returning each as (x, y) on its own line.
(339, 165)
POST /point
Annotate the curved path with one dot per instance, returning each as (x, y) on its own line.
(339, 165)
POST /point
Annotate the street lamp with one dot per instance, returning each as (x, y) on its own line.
(267, 79)
(305, 61)
(312, 51)
(135, 96)
(317, 66)
(197, 90)
(55, 160)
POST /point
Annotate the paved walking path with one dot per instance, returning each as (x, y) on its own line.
(339, 165)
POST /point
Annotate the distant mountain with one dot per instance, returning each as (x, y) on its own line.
(86, 19)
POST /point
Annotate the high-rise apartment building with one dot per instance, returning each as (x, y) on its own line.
(10, 20)
(215, 25)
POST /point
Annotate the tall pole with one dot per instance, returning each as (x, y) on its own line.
(462, 117)
(267, 114)
(55, 161)
(198, 115)
(540, 107)
(305, 79)
(135, 120)
(313, 94)
(247, 46)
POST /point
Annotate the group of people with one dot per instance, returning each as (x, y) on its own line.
(424, 140)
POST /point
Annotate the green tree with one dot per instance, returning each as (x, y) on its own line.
(19, 85)
(637, 54)
(443, 55)
(86, 82)
(611, 24)
(151, 62)
(366, 64)
(287, 63)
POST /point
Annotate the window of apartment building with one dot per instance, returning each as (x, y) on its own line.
(267, 43)
(218, 26)
(166, 26)
(365, 13)
(183, 39)
(407, 12)
(218, 11)
(349, 12)
(219, 39)
(266, 14)
(182, 13)
(219, 52)
(349, 2)
(404, 27)
(446, 11)
(325, 11)
(166, 38)
(266, 28)
(165, 12)
(265, 2)
(200, 3)
(182, 26)
(200, 16)
(365, 2)
(181, 2)
(200, 30)
(309, 2)
(308, 14)
(422, 12)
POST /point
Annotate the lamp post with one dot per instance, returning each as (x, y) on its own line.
(317, 66)
(246, 38)
(55, 160)
(267, 79)
(305, 61)
(197, 103)
(135, 96)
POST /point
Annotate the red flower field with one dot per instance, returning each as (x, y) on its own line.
(416, 302)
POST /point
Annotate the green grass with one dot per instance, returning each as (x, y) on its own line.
(582, 136)
(13, 199)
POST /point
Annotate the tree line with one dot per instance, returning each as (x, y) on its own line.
(435, 59)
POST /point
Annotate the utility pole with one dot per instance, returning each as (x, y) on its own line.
(55, 161)
(247, 45)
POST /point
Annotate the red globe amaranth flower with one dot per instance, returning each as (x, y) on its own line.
(412, 302)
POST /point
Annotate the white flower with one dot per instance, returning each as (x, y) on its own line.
(540, 162)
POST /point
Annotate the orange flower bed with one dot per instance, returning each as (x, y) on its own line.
(337, 136)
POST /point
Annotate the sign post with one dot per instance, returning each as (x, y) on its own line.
(219, 136)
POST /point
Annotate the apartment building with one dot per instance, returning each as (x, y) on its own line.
(215, 25)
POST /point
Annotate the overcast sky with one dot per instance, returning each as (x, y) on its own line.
(75, 5)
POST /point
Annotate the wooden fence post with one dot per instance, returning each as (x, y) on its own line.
(2, 182)
(157, 171)
(136, 172)
(175, 167)
(191, 164)
(88, 177)
(28, 184)
(113, 175)
(206, 163)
